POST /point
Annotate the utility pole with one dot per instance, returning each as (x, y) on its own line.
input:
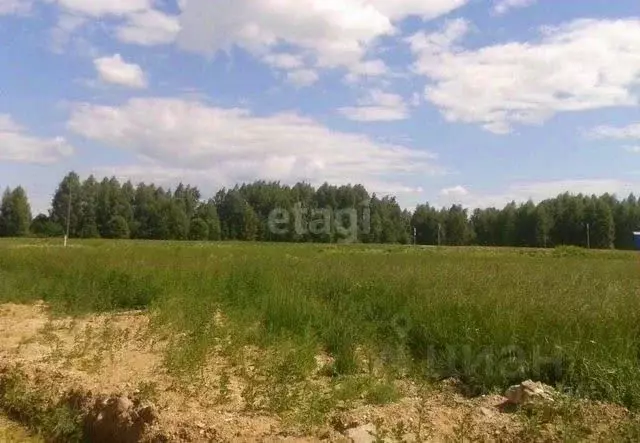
(66, 236)
(588, 236)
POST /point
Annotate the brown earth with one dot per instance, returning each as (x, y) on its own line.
(112, 368)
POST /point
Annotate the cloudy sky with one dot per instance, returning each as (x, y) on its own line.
(468, 101)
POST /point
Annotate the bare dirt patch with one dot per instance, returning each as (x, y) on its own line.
(109, 369)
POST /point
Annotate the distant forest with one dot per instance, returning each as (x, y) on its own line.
(109, 209)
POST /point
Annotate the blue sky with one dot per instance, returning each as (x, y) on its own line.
(476, 102)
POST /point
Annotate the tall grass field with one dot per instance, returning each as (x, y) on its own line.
(489, 317)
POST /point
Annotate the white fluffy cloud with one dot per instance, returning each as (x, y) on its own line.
(99, 8)
(377, 106)
(284, 60)
(318, 34)
(331, 33)
(297, 73)
(192, 139)
(9, 7)
(64, 29)
(426, 9)
(624, 133)
(455, 192)
(132, 21)
(367, 68)
(503, 6)
(16, 145)
(631, 132)
(581, 65)
(149, 27)
(303, 77)
(116, 71)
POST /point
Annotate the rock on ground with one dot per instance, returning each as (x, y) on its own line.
(529, 392)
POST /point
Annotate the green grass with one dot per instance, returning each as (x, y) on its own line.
(10, 432)
(490, 317)
(55, 422)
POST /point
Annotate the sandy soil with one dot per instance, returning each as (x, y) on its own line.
(114, 357)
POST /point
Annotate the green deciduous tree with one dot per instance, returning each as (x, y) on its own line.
(603, 226)
(456, 226)
(243, 213)
(176, 220)
(427, 222)
(238, 219)
(69, 191)
(15, 213)
(42, 226)
(627, 220)
(117, 228)
(198, 230)
(88, 209)
(209, 214)
(543, 224)
(486, 226)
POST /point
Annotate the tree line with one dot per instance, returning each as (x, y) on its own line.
(114, 210)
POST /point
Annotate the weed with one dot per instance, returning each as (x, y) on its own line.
(380, 433)
(489, 317)
(569, 251)
(94, 344)
(13, 433)
(462, 430)
(382, 393)
(48, 337)
(224, 389)
(147, 392)
(399, 431)
(564, 417)
(628, 431)
(251, 391)
(56, 422)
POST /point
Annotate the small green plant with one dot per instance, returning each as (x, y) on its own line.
(564, 417)
(349, 389)
(13, 433)
(569, 251)
(47, 336)
(94, 344)
(423, 427)
(399, 431)
(251, 392)
(55, 421)
(380, 433)
(62, 424)
(224, 389)
(462, 430)
(628, 431)
(382, 393)
(147, 391)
